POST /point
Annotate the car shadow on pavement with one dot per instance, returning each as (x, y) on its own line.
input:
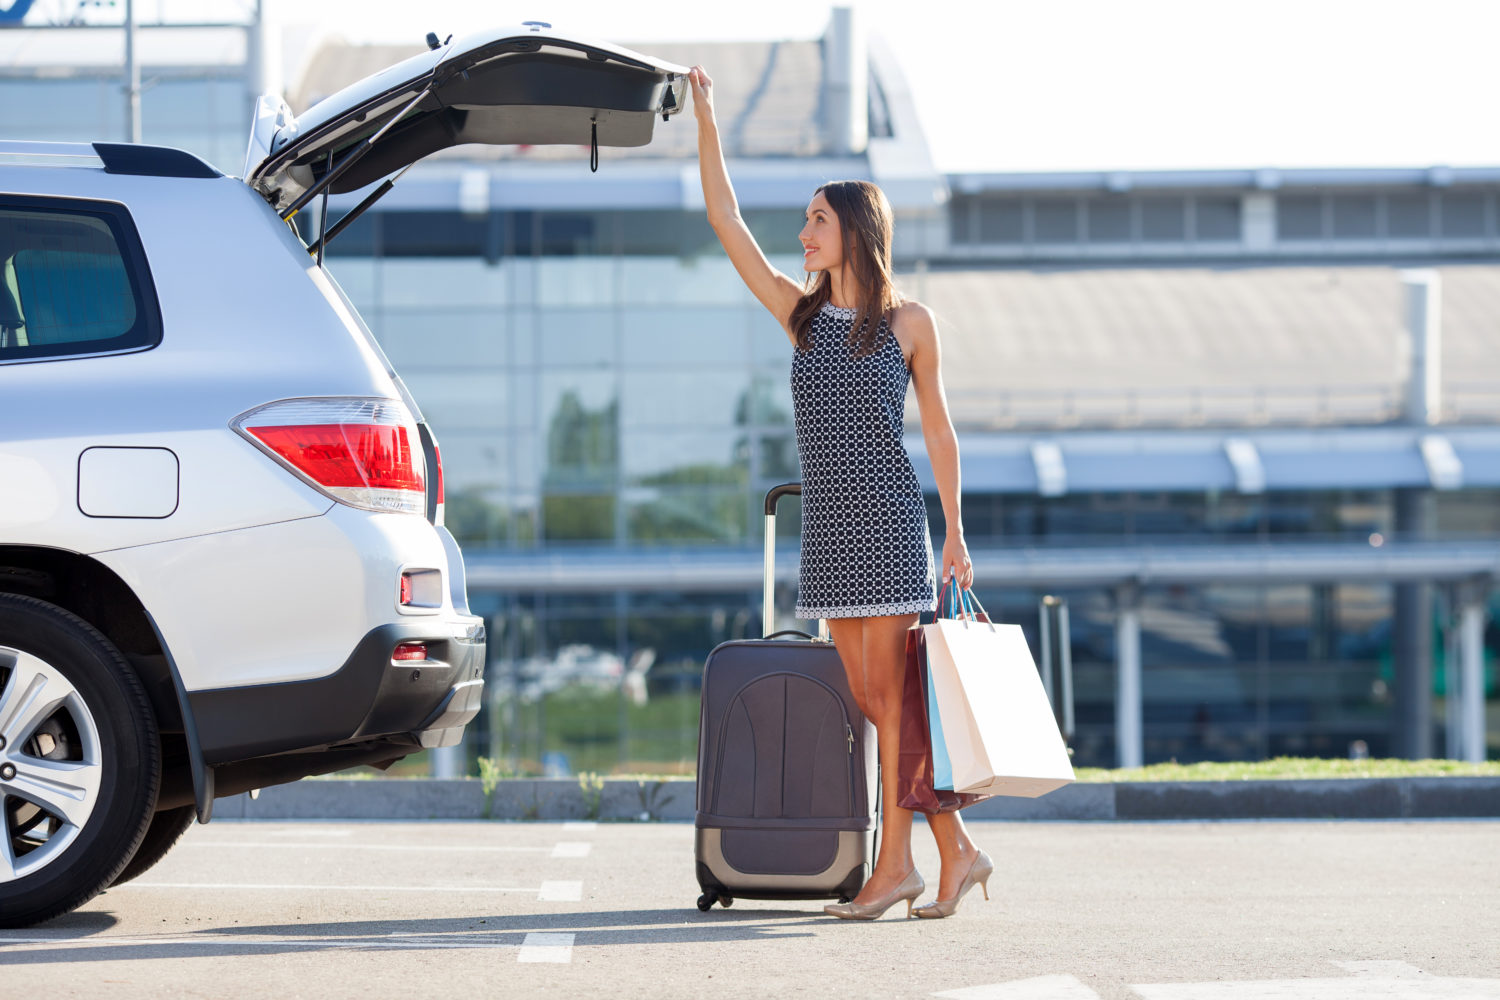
(591, 927)
(69, 925)
(660, 926)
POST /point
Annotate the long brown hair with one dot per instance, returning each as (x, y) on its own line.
(865, 227)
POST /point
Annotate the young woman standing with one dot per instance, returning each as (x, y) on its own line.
(866, 554)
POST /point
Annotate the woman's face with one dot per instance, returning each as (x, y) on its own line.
(822, 239)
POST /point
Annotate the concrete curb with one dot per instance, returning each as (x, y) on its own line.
(673, 799)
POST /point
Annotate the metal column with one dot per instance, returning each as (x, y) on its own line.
(1057, 660)
(132, 78)
(1415, 518)
(1470, 672)
(1129, 740)
(1412, 636)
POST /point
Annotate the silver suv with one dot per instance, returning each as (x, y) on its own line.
(222, 556)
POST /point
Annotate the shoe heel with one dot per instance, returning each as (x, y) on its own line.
(910, 902)
(985, 886)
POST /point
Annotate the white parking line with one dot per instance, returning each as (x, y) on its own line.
(546, 948)
(572, 849)
(1057, 987)
(412, 848)
(310, 833)
(560, 892)
(328, 888)
(1389, 980)
(580, 824)
(416, 942)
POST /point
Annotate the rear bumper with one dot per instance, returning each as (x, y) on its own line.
(422, 703)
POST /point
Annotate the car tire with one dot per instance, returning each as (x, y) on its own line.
(166, 829)
(80, 762)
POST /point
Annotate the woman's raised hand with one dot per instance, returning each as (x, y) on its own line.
(703, 93)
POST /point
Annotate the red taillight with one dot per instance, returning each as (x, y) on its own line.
(407, 651)
(405, 588)
(344, 455)
(357, 451)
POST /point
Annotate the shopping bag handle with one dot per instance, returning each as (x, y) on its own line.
(968, 597)
(947, 604)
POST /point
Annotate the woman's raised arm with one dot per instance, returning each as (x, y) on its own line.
(775, 290)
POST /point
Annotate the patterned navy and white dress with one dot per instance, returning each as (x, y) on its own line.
(866, 549)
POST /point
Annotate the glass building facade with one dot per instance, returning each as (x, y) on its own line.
(597, 381)
(204, 110)
(603, 386)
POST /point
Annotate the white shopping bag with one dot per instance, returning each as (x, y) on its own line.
(997, 722)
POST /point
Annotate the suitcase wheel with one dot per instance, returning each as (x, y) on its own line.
(726, 901)
(707, 900)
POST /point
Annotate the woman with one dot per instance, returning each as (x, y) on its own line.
(866, 554)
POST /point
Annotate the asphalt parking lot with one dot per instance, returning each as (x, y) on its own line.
(1165, 911)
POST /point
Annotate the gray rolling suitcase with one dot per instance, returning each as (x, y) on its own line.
(786, 762)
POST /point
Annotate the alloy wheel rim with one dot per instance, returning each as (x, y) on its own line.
(50, 764)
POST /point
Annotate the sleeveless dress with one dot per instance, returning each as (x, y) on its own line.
(866, 549)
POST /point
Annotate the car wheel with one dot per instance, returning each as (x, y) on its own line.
(80, 764)
(166, 829)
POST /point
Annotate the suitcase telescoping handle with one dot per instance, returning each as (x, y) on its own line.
(768, 587)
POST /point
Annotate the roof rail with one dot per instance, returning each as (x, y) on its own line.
(151, 161)
(115, 157)
(51, 154)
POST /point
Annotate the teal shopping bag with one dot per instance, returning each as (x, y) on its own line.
(942, 767)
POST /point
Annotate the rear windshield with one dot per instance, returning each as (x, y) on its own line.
(72, 281)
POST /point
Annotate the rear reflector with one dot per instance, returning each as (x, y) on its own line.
(357, 451)
(438, 475)
(409, 651)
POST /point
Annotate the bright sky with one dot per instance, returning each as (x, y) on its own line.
(1084, 84)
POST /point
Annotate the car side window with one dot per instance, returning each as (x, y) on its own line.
(73, 281)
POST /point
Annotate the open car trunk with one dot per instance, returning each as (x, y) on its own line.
(525, 85)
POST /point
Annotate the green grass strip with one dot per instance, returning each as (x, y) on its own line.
(1292, 767)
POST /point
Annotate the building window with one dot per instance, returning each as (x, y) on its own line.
(431, 234)
(1163, 219)
(1001, 221)
(1462, 215)
(1109, 221)
(1055, 220)
(1217, 219)
(1408, 216)
(1299, 217)
(961, 219)
(1353, 216)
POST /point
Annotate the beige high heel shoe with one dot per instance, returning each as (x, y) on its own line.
(979, 873)
(910, 888)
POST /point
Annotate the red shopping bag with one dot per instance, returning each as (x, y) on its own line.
(914, 764)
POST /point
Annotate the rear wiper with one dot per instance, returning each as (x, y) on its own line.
(327, 237)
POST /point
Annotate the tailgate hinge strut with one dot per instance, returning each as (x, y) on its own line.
(353, 157)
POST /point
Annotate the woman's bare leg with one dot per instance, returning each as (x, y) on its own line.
(848, 636)
(956, 849)
(877, 673)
